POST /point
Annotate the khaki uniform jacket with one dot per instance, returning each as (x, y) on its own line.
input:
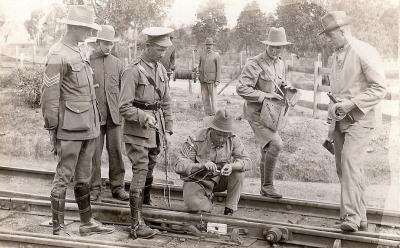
(107, 79)
(256, 80)
(168, 61)
(209, 68)
(361, 80)
(68, 99)
(136, 87)
(198, 150)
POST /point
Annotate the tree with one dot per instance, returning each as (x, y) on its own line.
(211, 21)
(50, 30)
(126, 14)
(252, 24)
(32, 25)
(302, 22)
(375, 22)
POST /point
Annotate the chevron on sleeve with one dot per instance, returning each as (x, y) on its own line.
(49, 81)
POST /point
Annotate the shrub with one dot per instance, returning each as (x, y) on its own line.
(28, 81)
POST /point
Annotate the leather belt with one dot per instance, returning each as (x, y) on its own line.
(147, 106)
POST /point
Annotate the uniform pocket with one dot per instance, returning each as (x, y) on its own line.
(76, 116)
(79, 73)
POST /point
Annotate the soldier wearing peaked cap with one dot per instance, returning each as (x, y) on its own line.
(108, 71)
(70, 114)
(261, 79)
(145, 104)
(358, 82)
(168, 61)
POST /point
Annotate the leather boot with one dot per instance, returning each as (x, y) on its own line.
(139, 229)
(57, 210)
(146, 191)
(267, 168)
(88, 225)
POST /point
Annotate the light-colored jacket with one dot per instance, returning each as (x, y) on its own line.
(198, 150)
(256, 80)
(361, 80)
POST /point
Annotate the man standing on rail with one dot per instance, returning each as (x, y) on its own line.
(213, 160)
(145, 104)
(358, 82)
(107, 78)
(70, 114)
(209, 77)
(261, 79)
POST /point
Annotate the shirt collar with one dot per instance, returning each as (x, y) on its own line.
(147, 61)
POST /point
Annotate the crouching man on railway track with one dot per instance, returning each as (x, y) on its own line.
(213, 160)
(145, 104)
(72, 118)
(358, 82)
(262, 79)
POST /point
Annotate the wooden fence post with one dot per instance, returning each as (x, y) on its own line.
(317, 85)
(191, 68)
(34, 54)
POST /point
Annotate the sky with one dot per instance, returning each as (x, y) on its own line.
(182, 12)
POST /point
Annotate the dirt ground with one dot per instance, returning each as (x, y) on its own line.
(305, 169)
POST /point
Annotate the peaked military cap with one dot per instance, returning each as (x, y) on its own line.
(158, 35)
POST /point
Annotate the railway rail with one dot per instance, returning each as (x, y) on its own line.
(375, 216)
(245, 232)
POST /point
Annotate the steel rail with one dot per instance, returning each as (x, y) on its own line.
(27, 239)
(293, 234)
(285, 205)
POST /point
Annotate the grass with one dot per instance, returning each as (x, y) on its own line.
(303, 158)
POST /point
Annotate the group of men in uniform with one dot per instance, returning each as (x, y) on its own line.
(83, 100)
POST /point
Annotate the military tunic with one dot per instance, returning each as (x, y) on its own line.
(142, 142)
(254, 82)
(359, 77)
(209, 73)
(199, 186)
(69, 108)
(107, 80)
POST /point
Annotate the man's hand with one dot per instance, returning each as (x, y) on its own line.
(226, 170)
(273, 95)
(343, 107)
(53, 141)
(167, 138)
(216, 83)
(210, 166)
(150, 121)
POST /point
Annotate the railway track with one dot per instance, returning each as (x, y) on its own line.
(246, 232)
(324, 210)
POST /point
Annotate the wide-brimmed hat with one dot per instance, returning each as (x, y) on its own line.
(333, 20)
(209, 41)
(80, 15)
(159, 35)
(222, 121)
(106, 33)
(276, 37)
